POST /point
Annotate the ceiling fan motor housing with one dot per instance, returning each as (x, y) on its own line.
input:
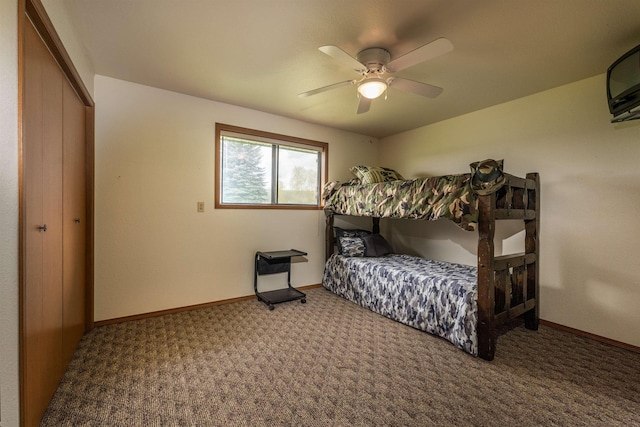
(374, 58)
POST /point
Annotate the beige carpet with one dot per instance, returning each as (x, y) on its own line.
(332, 363)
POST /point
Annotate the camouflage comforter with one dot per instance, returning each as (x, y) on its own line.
(448, 196)
(433, 296)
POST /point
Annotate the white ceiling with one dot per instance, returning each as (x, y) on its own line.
(261, 53)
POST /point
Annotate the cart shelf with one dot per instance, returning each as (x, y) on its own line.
(272, 263)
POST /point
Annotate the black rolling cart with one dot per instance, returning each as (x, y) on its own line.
(272, 263)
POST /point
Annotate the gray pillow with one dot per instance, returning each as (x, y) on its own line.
(376, 245)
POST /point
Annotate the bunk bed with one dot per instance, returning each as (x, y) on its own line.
(464, 304)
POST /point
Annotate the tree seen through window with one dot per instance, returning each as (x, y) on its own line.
(261, 169)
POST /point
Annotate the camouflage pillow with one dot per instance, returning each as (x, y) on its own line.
(487, 176)
(352, 246)
(343, 232)
(373, 174)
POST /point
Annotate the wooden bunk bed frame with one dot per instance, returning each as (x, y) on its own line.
(508, 285)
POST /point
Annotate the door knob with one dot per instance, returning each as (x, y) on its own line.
(76, 220)
(42, 227)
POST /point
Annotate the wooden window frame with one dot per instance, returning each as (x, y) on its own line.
(322, 147)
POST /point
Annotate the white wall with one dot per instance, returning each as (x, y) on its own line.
(154, 161)
(9, 405)
(590, 275)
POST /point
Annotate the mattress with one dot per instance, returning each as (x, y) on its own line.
(449, 197)
(433, 296)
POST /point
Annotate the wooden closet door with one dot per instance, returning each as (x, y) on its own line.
(42, 263)
(74, 209)
(33, 350)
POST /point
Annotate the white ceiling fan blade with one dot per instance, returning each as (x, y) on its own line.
(326, 88)
(341, 56)
(418, 88)
(363, 105)
(428, 51)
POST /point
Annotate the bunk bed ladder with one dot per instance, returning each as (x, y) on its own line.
(507, 285)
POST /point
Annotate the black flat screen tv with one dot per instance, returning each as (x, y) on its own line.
(623, 86)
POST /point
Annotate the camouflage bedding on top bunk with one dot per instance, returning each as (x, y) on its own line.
(449, 196)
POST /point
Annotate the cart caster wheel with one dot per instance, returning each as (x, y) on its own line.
(303, 300)
(271, 307)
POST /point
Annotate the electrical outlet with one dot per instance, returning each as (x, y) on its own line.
(200, 206)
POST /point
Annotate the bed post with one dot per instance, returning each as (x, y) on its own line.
(328, 234)
(486, 278)
(532, 245)
(375, 228)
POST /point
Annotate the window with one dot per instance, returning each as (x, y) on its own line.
(256, 169)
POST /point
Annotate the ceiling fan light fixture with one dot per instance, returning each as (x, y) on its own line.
(372, 88)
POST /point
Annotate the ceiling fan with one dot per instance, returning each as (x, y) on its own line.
(376, 67)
